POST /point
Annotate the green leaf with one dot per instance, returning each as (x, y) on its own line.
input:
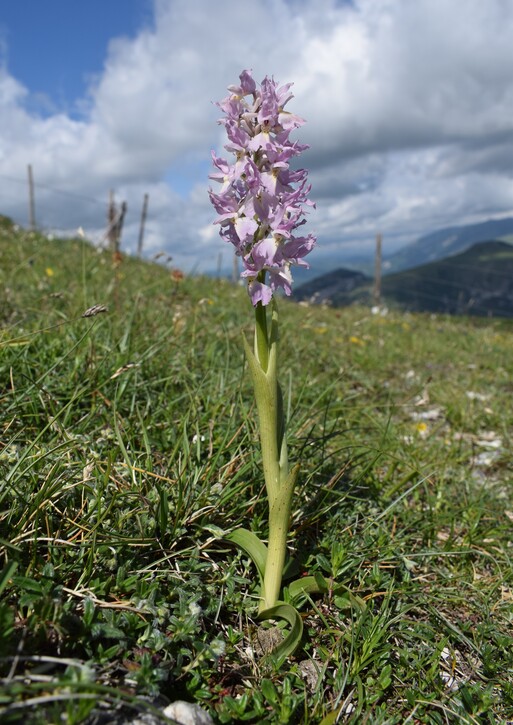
(348, 602)
(6, 574)
(254, 548)
(269, 691)
(315, 584)
(292, 568)
(28, 585)
(331, 718)
(9, 545)
(163, 511)
(89, 611)
(293, 639)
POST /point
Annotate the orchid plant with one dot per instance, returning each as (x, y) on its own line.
(261, 205)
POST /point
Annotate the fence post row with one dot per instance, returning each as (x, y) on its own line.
(115, 218)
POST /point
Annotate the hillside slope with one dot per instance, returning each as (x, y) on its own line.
(129, 455)
(478, 281)
(444, 242)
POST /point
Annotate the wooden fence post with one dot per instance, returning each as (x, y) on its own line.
(32, 205)
(111, 222)
(235, 270)
(119, 224)
(141, 228)
(115, 221)
(377, 272)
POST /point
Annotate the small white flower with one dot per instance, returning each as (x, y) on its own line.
(430, 414)
(217, 647)
(471, 395)
(194, 609)
(487, 458)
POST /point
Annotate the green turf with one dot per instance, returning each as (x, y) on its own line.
(129, 449)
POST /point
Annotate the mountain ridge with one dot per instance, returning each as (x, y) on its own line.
(446, 242)
(477, 281)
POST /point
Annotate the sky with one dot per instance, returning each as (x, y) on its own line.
(408, 104)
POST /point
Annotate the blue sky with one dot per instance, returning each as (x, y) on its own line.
(409, 110)
(55, 46)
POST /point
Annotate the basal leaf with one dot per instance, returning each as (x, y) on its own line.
(291, 640)
(254, 548)
(315, 584)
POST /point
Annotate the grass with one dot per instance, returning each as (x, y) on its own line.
(129, 450)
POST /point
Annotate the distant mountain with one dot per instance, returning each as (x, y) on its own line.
(444, 242)
(336, 288)
(478, 281)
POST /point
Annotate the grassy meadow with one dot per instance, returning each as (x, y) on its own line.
(129, 449)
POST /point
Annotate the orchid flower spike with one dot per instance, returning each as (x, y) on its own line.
(261, 202)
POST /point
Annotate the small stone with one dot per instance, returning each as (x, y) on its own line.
(186, 713)
(267, 639)
(310, 672)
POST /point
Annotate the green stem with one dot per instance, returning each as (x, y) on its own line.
(279, 482)
(279, 517)
(276, 552)
(261, 336)
(262, 341)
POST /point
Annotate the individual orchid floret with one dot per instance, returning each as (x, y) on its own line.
(247, 85)
(262, 200)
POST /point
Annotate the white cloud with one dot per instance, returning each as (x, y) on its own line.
(409, 108)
